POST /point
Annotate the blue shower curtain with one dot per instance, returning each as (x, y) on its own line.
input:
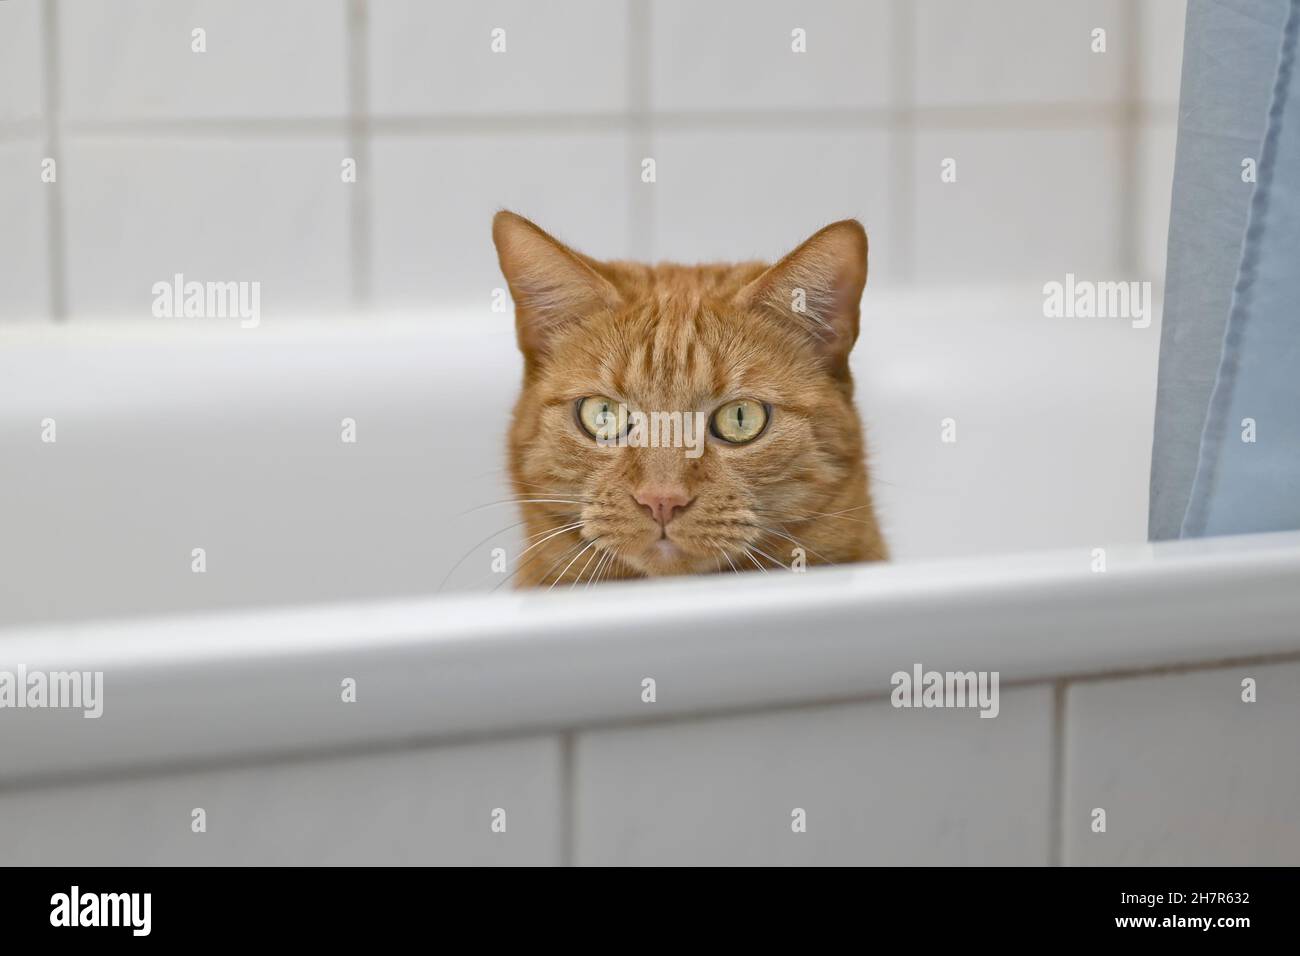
(1226, 453)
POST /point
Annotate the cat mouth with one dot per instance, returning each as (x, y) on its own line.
(663, 556)
(666, 549)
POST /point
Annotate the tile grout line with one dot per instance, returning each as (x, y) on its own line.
(1056, 785)
(359, 207)
(641, 128)
(995, 118)
(55, 250)
(568, 799)
(1129, 221)
(903, 198)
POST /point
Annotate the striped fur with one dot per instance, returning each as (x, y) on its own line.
(688, 338)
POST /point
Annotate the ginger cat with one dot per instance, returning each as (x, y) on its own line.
(686, 419)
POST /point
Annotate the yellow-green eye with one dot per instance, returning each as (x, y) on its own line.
(739, 421)
(602, 418)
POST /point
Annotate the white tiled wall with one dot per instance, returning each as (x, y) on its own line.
(1155, 183)
(20, 63)
(1187, 772)
(736, 55)
(437, 58)
(407, 807)
(742, 194)
(441, 246)
(1161, 68)
(1033, 203)
(1020, 52)
(135, 59)
(141, 210)
(229, 160)
(24, 245)
(1161, 22)
(879, 786)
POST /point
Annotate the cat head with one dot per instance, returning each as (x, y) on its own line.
(685, 419)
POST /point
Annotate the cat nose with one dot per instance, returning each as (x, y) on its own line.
(662, 503)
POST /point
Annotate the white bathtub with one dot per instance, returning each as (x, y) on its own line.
(1120, 689)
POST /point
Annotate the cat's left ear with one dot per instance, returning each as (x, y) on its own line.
(819, 287)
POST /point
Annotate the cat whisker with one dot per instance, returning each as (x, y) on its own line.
(795, 542)
(611, 566)
(519, 481)
(574, 519)
(769, 557)
(526, 539)
(551, 534)
(464, 557)
(812, 515)
(750, 554)
(834, 514)
(602, 566)
(584, 567)
(526, 501)
(827, 514)
(569, 552)
(595, 572)
(520, 563)
(542, 489)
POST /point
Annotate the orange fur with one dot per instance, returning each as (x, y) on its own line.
(688, 338)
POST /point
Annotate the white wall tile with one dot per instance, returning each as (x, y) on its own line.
(437, 57)
(434, 199)
(1188, 773)
(1025, 203)
(21, 63)
(1156, 144)
(132, 59)
(879, 785)
(24, 245)
(139, 211)
(737, 54)
(412, 807)
(1161, 61)
(1018, 51)
(735, 195)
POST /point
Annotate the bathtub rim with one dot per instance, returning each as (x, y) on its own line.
(247, 684)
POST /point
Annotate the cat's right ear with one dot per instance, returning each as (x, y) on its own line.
(552, 285)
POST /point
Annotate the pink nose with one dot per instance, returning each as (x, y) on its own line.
(662, 503)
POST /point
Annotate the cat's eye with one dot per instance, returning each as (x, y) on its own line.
(602, 417)
(740, 421)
